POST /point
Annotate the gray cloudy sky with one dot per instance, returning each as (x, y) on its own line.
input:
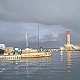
(62, 12)
(65, 12)
(17, 31)
(54, 16)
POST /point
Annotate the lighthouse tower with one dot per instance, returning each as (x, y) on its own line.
(68, 45)
(68, 37)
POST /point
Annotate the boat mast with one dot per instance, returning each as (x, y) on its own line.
(38, 37)
(27, 42)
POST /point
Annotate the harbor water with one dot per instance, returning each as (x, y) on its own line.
(61, 66)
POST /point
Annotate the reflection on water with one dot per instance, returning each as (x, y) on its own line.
(28, 60)
(61, 66)
(69, 61)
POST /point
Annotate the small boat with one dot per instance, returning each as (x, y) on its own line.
(34, 53)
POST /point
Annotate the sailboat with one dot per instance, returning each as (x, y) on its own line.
(26, 53)
(29, 52)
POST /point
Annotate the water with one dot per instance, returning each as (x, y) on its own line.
(61, 66)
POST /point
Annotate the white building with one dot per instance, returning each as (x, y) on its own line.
(2, 46)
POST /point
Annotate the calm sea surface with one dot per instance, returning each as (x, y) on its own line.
(61, 66)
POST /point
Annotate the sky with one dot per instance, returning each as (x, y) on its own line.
(53, 16)
(17, 31)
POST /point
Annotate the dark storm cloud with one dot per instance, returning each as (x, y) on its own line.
(62, 12)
